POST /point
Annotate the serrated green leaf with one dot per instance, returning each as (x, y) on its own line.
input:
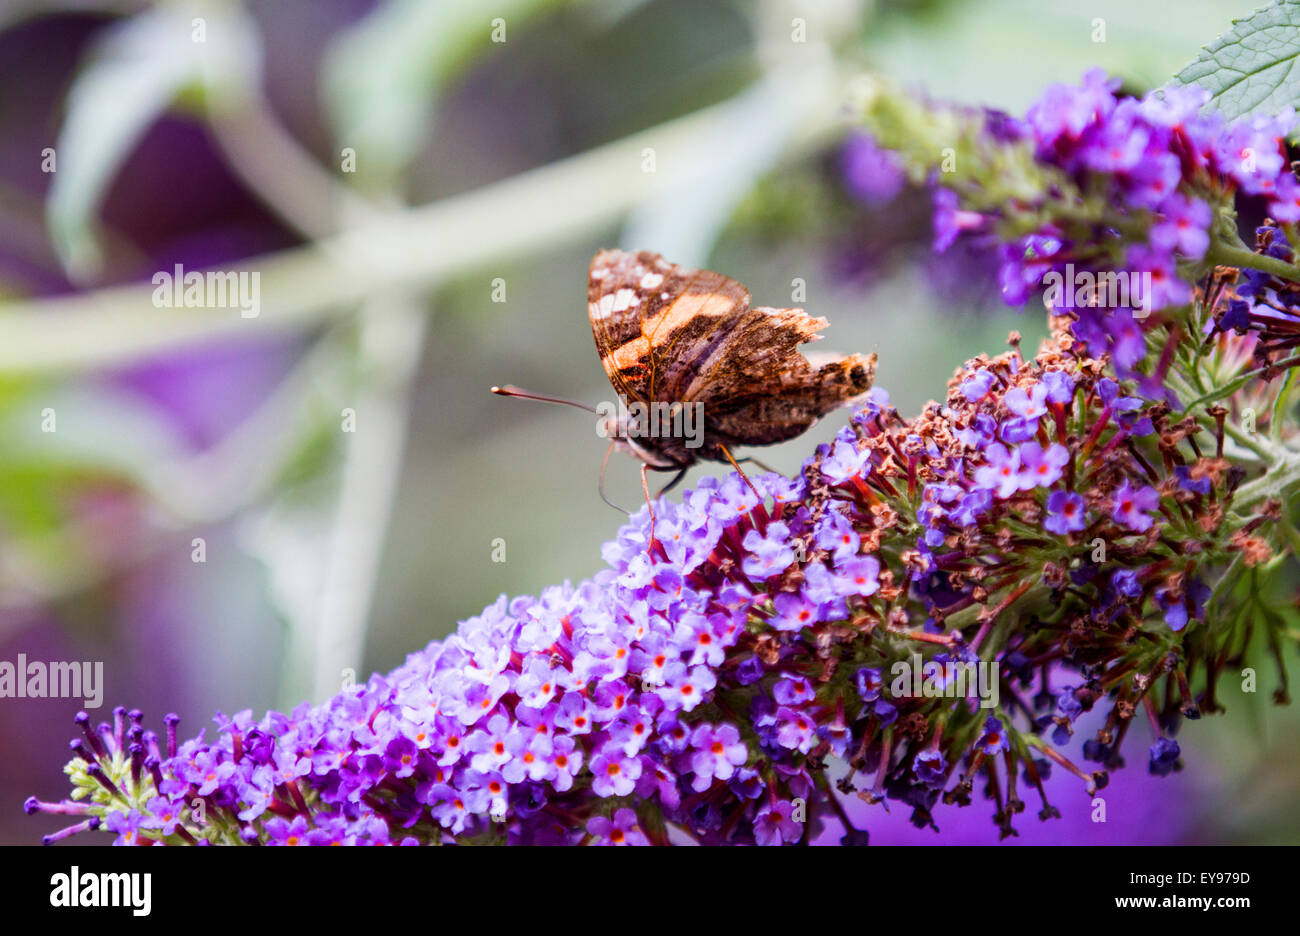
(1251, 69)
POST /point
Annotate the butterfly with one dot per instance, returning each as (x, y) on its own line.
(697, 369)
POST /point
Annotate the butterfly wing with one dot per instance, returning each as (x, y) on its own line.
(668, 333)
(653, 321)
(761, 390)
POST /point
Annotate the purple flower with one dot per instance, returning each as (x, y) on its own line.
(1065, 513)
(971, 508)
(977, 386)
(858, 576)
(994, 740)
(1126, 583)
(1027, 404)
(872, 174)
(835, 534)
(846, 462)
(718, 751)
(1185, 227)
(773, 825)
(767, 554)
(796, 730)
(613, 773)
(1133, 506)
(869, 683)
(286, 832)
(950, 220)
(1001, 475)
(566, 760)
(793, 611)
(685, 688)
(1041, 467)
(792, 690)
(1065, 110)
(1060, 387)
(621, 830)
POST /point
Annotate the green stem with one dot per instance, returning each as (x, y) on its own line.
(1240, 257)
(413, 249)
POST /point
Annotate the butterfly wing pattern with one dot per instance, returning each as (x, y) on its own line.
(669, 334)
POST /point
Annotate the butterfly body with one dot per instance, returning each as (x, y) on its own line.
(684, 343)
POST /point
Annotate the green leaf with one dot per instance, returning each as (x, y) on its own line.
(1252, 68)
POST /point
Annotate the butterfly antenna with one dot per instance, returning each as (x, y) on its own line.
(512, 391)
(600, 485)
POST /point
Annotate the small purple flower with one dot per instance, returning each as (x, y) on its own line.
(980, 433)
(796, 730)
(127, 826)
(718, 751)
(566, 759)
(872, 174)
(1001, 475)
(972, 506)
(773, 825)
(1108, 390)
(1185, 227)
(1060, 387)
(622, 830)
(950, 220)
(930, 768)
(1066, 513)
(858, 576)
(1190, 484)
(284, 832)
(846, 461)
(994, 739)
(794, 612)
(769, 554)
(870, 683)
(1027, 405)
(1133, 506)
(613, 773)
(1126, 583)
(835, 534)
(1041, 467)
(977, 386)
(685, 688)
(793, 690)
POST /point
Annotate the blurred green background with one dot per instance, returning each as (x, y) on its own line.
(328, 551)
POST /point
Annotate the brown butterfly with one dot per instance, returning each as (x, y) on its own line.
(697, 369)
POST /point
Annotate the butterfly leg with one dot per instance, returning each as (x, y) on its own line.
(645, 489)
(744, 477)
(672, 484)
